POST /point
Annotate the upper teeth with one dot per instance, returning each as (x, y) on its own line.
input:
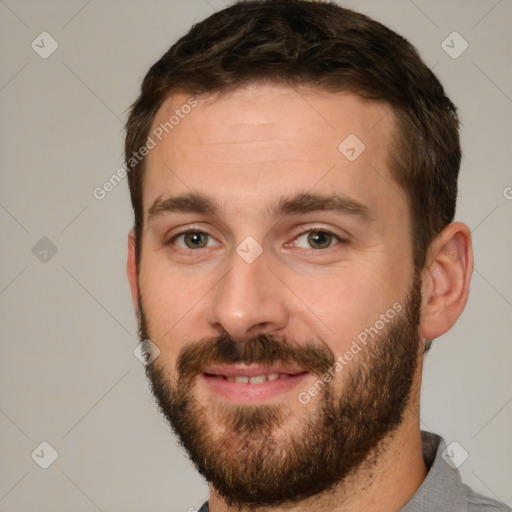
(257, 379)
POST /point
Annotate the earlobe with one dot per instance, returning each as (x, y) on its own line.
(446, 280)
(131, 269)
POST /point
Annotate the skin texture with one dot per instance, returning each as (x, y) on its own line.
(246, 150)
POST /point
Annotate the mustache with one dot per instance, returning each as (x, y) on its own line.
(263, 349)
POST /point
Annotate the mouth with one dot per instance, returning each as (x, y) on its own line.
(253, 383)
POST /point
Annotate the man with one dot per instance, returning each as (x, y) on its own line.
(293, 172)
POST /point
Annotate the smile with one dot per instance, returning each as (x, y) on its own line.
(258, 379)
(243, 384)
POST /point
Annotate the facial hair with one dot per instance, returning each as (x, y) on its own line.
(236, 447)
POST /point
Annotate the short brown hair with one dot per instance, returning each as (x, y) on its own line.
(298, 42)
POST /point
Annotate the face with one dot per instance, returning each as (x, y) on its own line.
(276, 279)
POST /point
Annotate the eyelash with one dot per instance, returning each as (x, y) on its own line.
(309, 230)
(336, 237)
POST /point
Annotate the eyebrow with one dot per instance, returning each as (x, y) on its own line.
(301, 203)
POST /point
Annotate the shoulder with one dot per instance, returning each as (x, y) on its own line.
(478, 503)
(442, 488)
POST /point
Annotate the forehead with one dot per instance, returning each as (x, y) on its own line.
(287, 137)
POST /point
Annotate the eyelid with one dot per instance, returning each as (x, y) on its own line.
(341, 234)
(304, 230)
(188, 229)
(319, 229)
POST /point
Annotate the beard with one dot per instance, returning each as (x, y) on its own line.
(247, 453)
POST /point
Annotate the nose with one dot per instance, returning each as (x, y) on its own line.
(249, 300)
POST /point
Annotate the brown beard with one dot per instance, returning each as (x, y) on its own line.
(235, 447)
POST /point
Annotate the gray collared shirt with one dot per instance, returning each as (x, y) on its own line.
(442, 490)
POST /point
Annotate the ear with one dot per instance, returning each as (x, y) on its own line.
(131, 269)
(446, 279)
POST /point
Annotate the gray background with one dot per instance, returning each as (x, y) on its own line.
(69, 376)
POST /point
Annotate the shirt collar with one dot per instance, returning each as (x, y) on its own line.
(442, 488)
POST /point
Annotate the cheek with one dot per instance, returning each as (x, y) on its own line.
(169, 296)
(344, 302)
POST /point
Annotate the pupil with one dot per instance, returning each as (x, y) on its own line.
(319, 238)
(194, 240)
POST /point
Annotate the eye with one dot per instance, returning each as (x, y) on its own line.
(192, 240)
(318, 239)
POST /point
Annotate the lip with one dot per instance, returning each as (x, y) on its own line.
(239, 370)
(244, 393)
